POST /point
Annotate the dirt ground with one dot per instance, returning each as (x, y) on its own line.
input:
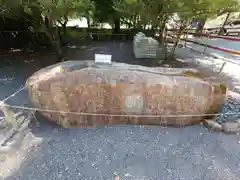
(121, 51)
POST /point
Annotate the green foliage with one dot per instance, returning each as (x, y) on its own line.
(142, 11)
(152, 14)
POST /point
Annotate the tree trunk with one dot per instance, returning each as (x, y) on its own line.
(162, 28)
(139, 25)
(88, 22)
(116, 25)
(129, 25)
(60, 36)
(201, 25)
(180, 31)
(57, 41)
(53, 35)
(221, 31)
(129, 22)
(144, 26)
(56, 44)
(164, 36)
(134, 21)
(64, 27)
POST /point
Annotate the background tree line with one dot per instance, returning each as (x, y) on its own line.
(43, 22)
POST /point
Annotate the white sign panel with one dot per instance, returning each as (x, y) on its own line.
(103, 58)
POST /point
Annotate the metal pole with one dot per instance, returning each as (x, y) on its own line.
(205, 49)
(223, 64)
(186, 39)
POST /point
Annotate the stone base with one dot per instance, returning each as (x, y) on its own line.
(13, 127)
(228, 127)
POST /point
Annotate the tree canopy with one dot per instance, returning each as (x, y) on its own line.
(46, 15)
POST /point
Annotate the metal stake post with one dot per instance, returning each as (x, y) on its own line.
(186, 39)
(206, 46)
(220, 71)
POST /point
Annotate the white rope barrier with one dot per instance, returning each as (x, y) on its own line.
(106, 115)
(12, 95)
(116, 115)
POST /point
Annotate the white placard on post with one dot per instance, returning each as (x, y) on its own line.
(103, 58)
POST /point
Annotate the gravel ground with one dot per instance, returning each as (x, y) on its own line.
(130, 152)
(232, 107)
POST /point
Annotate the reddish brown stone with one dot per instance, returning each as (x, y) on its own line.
(113, 95)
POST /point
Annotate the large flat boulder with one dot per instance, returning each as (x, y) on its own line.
(89, 94)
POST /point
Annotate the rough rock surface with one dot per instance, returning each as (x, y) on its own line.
(213, 125)
(132, 94)
(228, 118)
(230, 111)
(231, 127)
(13, 126)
